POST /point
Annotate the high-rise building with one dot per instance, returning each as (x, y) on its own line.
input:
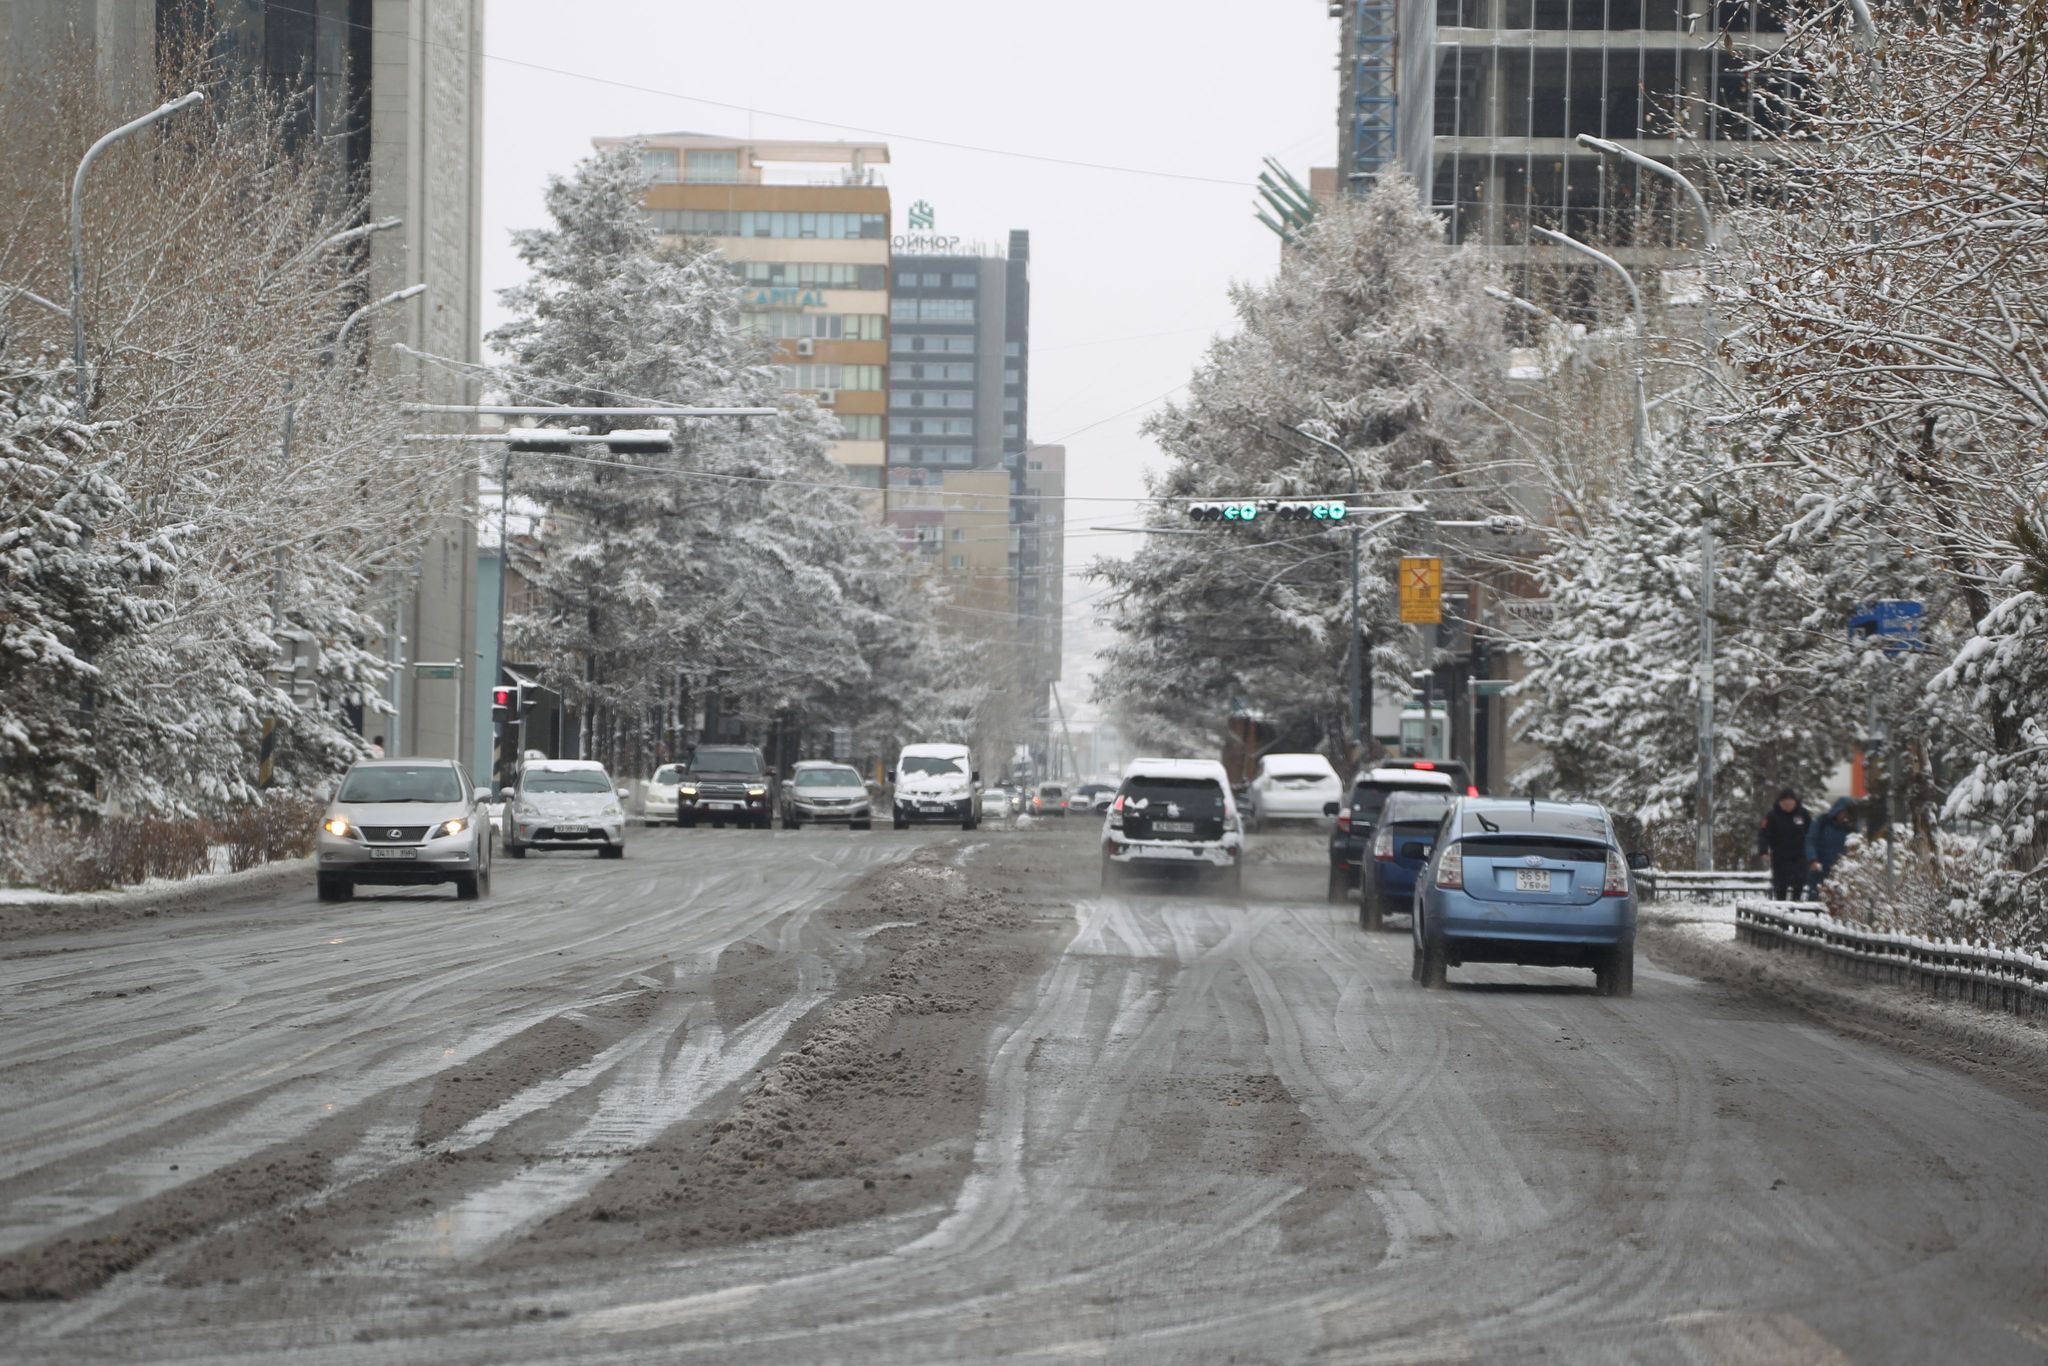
(1491, 94)
(394, 89)
(806, 228)
(959, 411)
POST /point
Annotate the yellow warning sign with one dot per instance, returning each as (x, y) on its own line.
(1422, 590)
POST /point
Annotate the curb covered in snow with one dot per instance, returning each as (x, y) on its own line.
(28, 912)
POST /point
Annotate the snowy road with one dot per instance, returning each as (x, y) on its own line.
(1196, 1131)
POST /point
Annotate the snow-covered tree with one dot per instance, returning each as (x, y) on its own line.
(212, 294)
(1379, 333)
(1891, 304)
(744, 567)
(72, 582)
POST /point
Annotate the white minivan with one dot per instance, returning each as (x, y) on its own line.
(936, 784)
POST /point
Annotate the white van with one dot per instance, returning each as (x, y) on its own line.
(936, 784)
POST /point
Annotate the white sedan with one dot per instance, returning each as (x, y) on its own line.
(1292, 787)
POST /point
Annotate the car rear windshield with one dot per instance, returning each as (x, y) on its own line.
(1052, 790)
(572, 780)
(827, 777)
(1367, 799)
(1194, 796)
(669, 773)
(391, 783)
(725, 761)
(1404, 809)
(1526, 846)
(1303, 775)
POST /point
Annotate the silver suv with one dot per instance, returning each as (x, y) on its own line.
(405, 822)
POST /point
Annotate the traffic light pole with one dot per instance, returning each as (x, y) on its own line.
(1354, 656)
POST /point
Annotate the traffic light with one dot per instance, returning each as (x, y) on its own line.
(506, 703)
(1232, 512)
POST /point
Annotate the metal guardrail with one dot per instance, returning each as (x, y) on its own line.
(1677, 885)
(2005, 980)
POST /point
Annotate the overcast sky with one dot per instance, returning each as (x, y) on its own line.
(1128, 270)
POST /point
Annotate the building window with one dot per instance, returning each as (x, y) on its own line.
(714, 168)
(784, 325)
(829, 376)
(1010, 404)
(768, 223)
(966, 282)
(932, 310)
(959, 561)
(659, 163)
(861, 426)
(931, 281)
(807, 274)
(906, 279)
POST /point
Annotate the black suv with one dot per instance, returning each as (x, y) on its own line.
(724, 783)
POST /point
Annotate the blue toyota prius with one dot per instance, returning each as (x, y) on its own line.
(1542, 883)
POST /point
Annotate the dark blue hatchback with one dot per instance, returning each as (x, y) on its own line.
(1401, 844)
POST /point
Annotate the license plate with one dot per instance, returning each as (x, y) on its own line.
(394, 853)
(1532, 880)
(571, 830)
(1174, 827)
(723, 806)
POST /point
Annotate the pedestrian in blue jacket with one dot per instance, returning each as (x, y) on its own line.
(1826, 838)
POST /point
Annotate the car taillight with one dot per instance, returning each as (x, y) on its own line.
(1471, 791)
(1425, 765)
(1118, 804)
(1383, 844)
(1344, 821)
(1617, 876)
(1450, 869)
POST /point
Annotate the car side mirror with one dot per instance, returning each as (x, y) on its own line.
(1418, 849)
(623, 791)
(505, 794)
(1638, 860)
(1329, 808)
(976, 775)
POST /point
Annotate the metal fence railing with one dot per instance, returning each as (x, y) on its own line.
(1656, 884)
(2005, 980)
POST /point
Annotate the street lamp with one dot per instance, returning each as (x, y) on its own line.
(1635, 296)
(92, 153)
(1703, 849)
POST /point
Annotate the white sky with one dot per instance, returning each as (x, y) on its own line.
(1128, 271)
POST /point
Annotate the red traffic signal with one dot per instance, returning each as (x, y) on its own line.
(501, 697)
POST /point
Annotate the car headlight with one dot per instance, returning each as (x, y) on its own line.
(686, 792)
(757, 792)
(525, 812)
(614, 812)
(454, 826)
(339, 828)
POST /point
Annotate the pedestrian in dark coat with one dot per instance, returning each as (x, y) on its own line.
(1782, 837)
(1825, 841)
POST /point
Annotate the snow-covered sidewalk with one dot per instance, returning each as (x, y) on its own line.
(28, 910)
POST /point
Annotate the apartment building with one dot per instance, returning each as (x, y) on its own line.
(806, 228)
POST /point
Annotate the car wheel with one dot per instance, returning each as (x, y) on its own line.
(899, 824)
(1432, 963)
(1339, 884)
(466, 888)
(790, 822)
(969, 824)
(612, 851)
(1616, 975)
(332, 888)
(863, 825)
(514, 850)
(1371, 915)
